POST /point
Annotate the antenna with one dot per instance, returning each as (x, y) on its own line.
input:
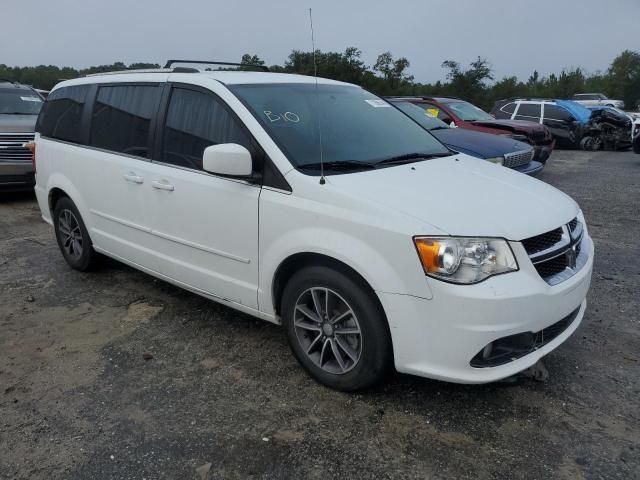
(315, 76)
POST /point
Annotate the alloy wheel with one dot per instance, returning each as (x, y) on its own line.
(327, 329)
(70, 234)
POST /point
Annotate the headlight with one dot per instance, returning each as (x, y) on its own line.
(496, 160)
(465, 260)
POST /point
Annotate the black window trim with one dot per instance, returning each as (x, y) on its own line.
(260, 158)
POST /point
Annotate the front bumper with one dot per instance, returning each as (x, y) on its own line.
(542, 152)
(16, 176)
(438, 338)
(531, 168)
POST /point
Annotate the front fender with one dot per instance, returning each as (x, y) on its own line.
(378, 270)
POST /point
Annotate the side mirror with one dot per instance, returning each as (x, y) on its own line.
(453, 124)
(228, 159)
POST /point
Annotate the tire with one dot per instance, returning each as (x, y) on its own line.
(591, 143)
(72, 236)
(365, 356)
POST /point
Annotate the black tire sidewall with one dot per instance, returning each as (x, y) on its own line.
(376, 355)
(86, 260)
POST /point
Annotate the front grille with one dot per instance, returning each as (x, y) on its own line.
(551, 267)
(557, 255)
(11, 148)
(542, 242)
(573, 224)
(515, 159)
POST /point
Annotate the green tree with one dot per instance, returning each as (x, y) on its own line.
(393, 71)
(469, 84)
(624, 78)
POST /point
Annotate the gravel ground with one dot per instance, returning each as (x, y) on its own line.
(222, 397)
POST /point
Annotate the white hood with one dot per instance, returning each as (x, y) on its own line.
(462, 195)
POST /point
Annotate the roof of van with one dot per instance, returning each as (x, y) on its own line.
(225, 77)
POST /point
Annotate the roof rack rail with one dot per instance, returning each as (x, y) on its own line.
(3, 80)
(206, 62)
(539, 99)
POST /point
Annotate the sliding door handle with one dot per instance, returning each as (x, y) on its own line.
(162, 185)
(133, 178)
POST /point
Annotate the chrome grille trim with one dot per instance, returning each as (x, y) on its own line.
(516, 159)
(12, 149)
(569, 252)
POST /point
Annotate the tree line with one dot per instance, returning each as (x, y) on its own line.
(389, 76)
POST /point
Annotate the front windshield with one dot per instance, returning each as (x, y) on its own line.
(356, 127)
(14, 101)
(469, 112)
(420, 115)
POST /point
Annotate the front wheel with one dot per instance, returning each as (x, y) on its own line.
(336, 328)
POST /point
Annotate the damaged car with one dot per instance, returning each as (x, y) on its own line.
(572, 125)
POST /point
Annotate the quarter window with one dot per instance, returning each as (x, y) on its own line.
(61, 114)
(196, 120)
(122, 118)
(509, 108)
(529, 111)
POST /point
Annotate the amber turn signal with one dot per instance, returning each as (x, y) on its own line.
(428, 251)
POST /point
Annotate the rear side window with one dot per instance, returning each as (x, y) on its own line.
(121, 118)
(61, 114)
(194, 121)
(509, 108)
(553, 112)
(529, 111)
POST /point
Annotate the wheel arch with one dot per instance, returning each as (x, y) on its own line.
(297, 261)
(55, 194)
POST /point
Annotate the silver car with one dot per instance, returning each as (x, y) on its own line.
(597, 99)
(19, 108)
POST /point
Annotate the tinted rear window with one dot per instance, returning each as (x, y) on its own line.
(121, 118)
(509, 108)
(61, 115)
(531, 110)
(553, 112)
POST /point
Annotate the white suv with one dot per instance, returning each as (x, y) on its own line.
(321, 207)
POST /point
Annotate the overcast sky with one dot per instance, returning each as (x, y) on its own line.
(516, 36)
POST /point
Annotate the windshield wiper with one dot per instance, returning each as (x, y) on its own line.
(412, 157)
(339, 165)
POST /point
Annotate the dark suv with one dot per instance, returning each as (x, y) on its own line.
(572, 124)
(19, 108)
(459, 113)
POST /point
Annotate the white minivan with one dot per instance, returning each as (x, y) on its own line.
(319, 206)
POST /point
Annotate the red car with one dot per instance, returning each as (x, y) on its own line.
(465, 115)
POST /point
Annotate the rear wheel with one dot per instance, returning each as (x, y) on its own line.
(336, 328)
(72, 236)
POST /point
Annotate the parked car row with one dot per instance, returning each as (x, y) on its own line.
(317, 205)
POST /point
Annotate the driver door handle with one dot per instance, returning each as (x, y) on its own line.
(133, 178)
(162, 185)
